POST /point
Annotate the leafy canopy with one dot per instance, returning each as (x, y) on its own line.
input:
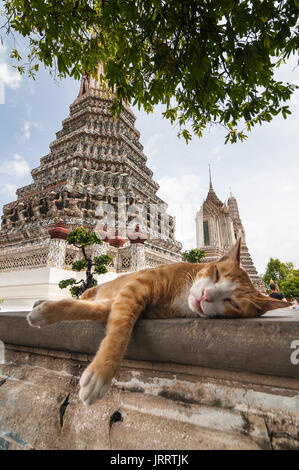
(194, 256)
(208, 62)
(290, 285)
(277, 271)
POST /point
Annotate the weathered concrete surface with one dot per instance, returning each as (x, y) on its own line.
(187, 384)
(150, 406)
(258, 345)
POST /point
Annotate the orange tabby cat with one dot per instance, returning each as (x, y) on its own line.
(210, 290)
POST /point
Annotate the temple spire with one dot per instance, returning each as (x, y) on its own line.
(212, 196)
(88, 82)
(210, 177)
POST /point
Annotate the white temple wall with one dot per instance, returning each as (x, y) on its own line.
(232, 232)
(222, 231)
(21, 289)
(219, 241)
(213, 232)
(199, 229)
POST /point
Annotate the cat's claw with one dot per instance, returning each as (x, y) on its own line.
(91, 388)
(36, 318)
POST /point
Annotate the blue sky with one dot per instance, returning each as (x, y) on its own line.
(262, 172)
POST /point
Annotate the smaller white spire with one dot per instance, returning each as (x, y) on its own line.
(210, 177)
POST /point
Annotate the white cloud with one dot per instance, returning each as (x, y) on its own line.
(3, 50)
(38, 126)
(9, 190)
(25, 131)
(295, 96)
(271, 224)
(152, 145)
(152, 148)
(9, 77)
(184, 196)
(18, 167)
(215, 150)
(286, 187)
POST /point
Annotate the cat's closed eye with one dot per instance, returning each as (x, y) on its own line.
(232, 303)
(216, 276)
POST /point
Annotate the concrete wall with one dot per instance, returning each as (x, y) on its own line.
(198, 384)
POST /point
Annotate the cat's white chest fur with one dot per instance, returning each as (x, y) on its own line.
(180, 305)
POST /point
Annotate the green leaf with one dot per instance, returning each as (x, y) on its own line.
(66, 283)
(15, 55)
(187, 135)
(79, 265)
(194, 256)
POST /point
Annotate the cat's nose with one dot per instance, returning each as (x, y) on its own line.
(205, 297)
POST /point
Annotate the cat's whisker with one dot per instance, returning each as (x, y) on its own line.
(189, 278)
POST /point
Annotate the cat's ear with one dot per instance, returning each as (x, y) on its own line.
(233, 254)
(265, 303)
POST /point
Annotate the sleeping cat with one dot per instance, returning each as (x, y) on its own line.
(209, 290)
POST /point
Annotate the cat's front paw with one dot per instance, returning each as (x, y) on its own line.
(39, 316)
(92, 387)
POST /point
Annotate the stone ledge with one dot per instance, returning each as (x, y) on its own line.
(186, 384)
(258, 345)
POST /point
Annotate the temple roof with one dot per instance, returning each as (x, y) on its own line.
(212, 203)
(213, 198)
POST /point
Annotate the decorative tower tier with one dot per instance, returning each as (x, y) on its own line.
(218, 225)
(94, 175)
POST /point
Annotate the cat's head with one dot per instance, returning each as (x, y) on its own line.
(222, 289)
